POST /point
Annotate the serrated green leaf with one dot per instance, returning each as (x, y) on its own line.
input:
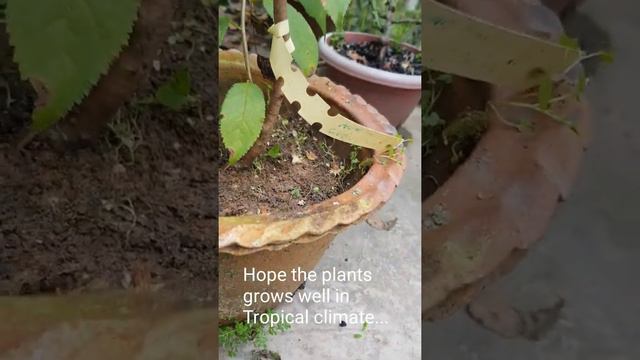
(316, 11)
(569, 42)
(223, 26)
(306, 53)
(64, 46)
(607, 57)
(545, 92)
(174, 94)
(336, 10)
(243, 111)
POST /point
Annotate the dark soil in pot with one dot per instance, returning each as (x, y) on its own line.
(134, 209)
(394, 58)
(302, 167)
(449, 139)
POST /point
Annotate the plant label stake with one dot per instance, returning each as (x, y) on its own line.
(463, 45)
(313, 109)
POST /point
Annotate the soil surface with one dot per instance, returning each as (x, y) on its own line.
(306, 170)
(134, 209)
(395, 59)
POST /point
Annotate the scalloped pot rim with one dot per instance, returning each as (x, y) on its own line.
(363, 72)
(241, 235)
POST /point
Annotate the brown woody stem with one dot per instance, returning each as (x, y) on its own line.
(270, 121)
(275, 99)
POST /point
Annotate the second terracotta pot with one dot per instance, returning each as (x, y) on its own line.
(394, 95)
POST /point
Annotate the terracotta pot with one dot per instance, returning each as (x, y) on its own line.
(497, 204)
(394, 95)
(283, 241)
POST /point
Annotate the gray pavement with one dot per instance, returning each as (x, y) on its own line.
(591, 254)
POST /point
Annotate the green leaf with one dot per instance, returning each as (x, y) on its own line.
(243, 111)
(306, 53)
(174, 94)
(316, 11)
(274, 152)
(545, 92)
(336, 10)
(607, 57)
(223, 26)
(64, 46)
(569, 42)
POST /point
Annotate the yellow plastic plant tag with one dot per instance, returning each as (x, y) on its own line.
(313, 109)
(463, 45)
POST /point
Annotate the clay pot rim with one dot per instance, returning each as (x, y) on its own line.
(366, 73)
(550, 156)
(240, 235)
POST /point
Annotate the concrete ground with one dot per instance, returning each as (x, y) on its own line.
(591, 254)
(393, 296)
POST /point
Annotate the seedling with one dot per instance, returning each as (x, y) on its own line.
(362, 332)
(274, 152)
(296, 193)
(554, 91)
(127, 135)
(232, 337)
(174, 94)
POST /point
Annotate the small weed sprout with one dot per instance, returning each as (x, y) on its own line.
(231, 337)
(362, 332)
(274, 152)
(128, 135)
(296, 193)
(554, 92)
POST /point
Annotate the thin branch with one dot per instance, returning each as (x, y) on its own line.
(547, 113)
(502, 119)
(581, 59)
(275, 98)
(245, 47)
(541, 111)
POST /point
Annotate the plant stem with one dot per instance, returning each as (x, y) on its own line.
(502, 119)
(547, 113)
(245, 47)
(387, 31)
(581, 59)
(270, 121)
(275, 98)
